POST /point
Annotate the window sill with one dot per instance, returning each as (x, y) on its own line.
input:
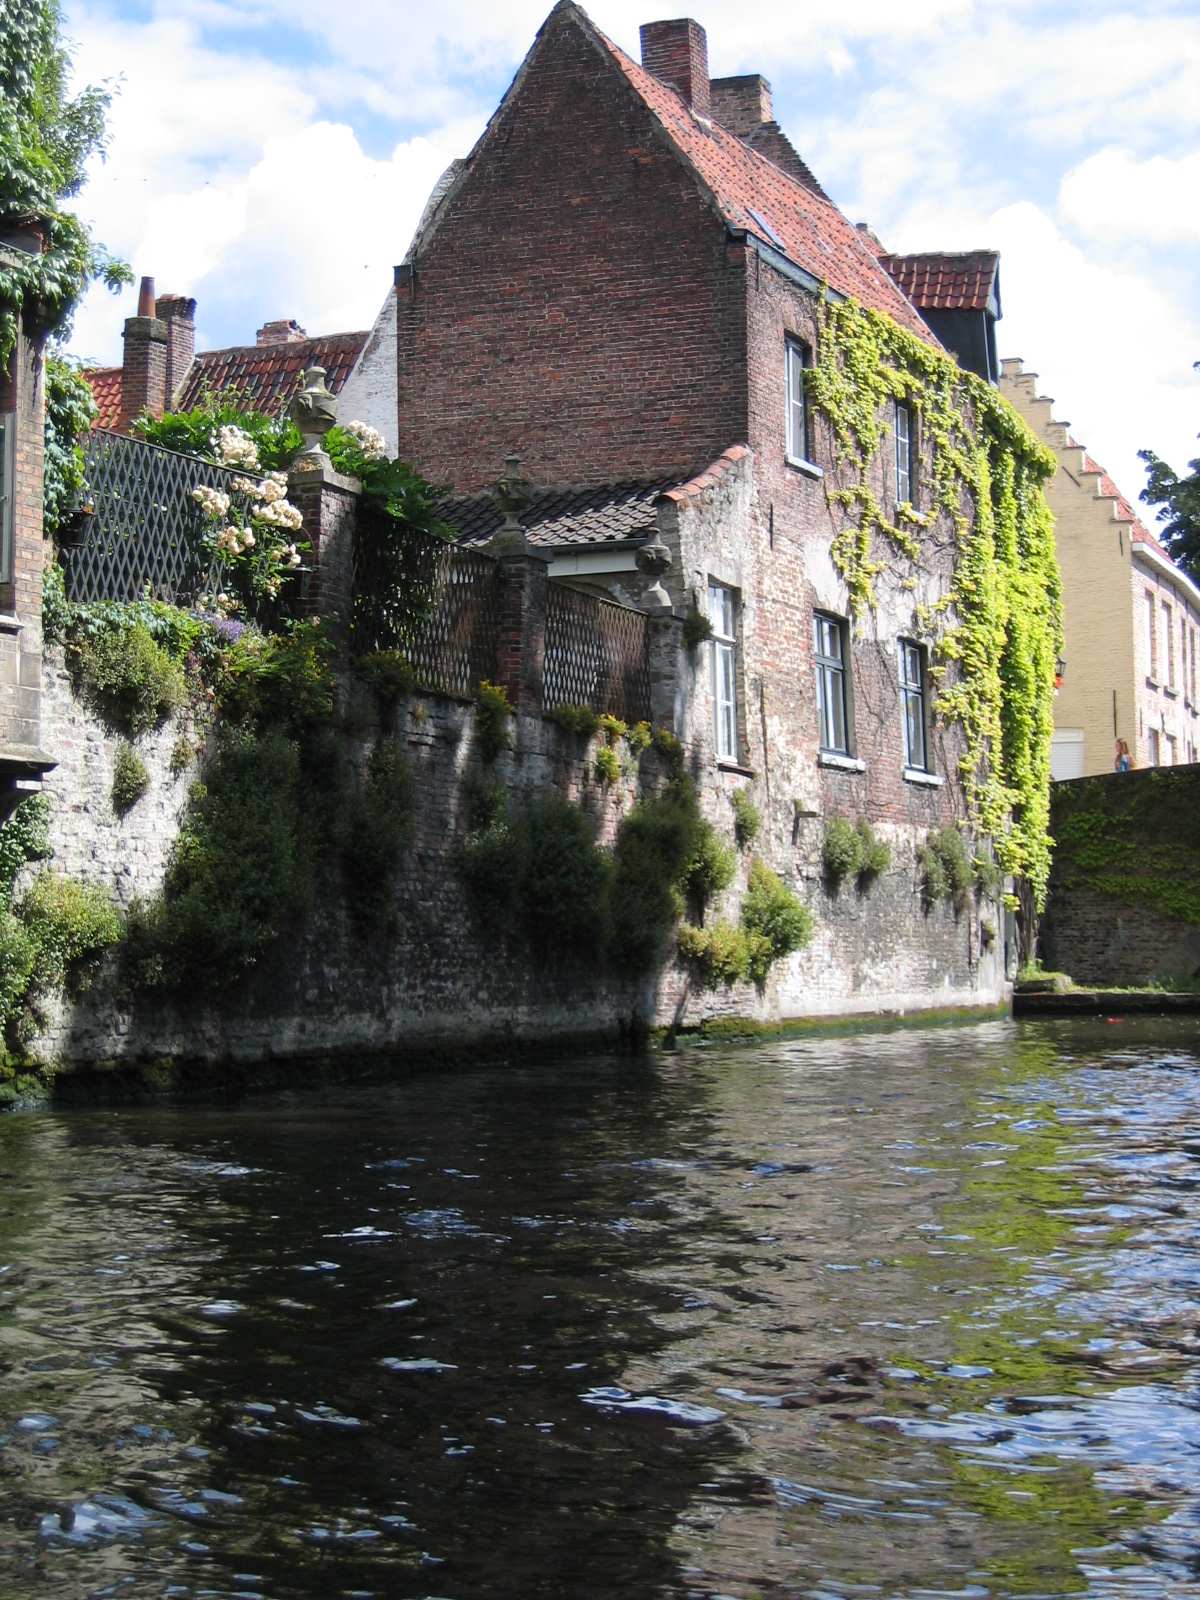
(1171, 694)
(931, 780)
(734, 767)
(10, 622)
(809, 468)
(841, 763)
(1152, 683)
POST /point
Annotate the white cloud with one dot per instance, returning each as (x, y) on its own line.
(1156, 200)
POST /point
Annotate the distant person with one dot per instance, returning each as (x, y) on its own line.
(1124, 760)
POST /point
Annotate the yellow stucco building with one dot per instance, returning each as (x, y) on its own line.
(1130, 616)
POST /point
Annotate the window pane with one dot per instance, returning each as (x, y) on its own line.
(6, 500)
(903, 437)
(797, 425)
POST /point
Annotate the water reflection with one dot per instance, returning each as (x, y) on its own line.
(897, 1314)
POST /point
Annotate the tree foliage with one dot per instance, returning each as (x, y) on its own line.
(1179, 502)
(47, 136)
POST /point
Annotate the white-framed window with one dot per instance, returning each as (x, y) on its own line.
(912, 697)
(829, 653)
(903, 437)
(1151, 636)
(1169, 639)
(8, 430)
(722, 614)
(797, 402)
(1153, 742)
(1192, 633)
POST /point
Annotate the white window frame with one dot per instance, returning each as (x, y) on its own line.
(902, 439)
(833, 699)
(797, 361)
(8, 458)
(722, 615)
(914, 681)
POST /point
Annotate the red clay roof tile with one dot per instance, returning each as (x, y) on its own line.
(106, 392)
(941, 281)
(811, 231)
(266, 376)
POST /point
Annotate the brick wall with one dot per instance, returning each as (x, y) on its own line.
(576, 302)
(21, 393)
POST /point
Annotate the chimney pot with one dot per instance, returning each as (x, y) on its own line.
(286, 330)
(741, 104)
(146, 298)
(676, 53)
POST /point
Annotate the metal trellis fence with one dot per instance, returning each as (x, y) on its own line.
(596, 655)
(144, 530)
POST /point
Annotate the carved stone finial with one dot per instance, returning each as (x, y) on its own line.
(314, 410)
(510, 495)
(653, 558)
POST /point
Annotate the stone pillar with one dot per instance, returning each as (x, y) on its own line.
(328, 502)
(664, 645)
(521, 645)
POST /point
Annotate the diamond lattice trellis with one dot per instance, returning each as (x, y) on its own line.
(144, 532)
(595, 655)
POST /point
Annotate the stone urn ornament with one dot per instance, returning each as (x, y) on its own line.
(314, 410)
(653, 559)
(510, 495)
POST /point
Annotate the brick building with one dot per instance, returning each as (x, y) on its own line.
(161, 370)
(1130, 616)
(622, 284)
(22, 447)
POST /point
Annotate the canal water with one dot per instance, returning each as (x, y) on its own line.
(901, 1314)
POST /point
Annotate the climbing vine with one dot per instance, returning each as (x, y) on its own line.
(997, 627)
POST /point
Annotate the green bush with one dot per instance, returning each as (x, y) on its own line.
(486, 797)
(746, 819)
(671, 750)
(391, 675)
(66, 922)
(70, 413)
(182, 756)
(710, 870)
(843, 850)
(654, 847)
(541, 877)
(608, 765)
(127, 677)
(17, 957)
(58, 614)
(375, 833)
(774, 919)
(948, 870)
(240, 871)
(717, 954)
(613, 729)
(279, 681)
(23, 838)
(130, 779)
(639, 737)
(696, 629)
(579, 720)
(491, 720)
(876, 855)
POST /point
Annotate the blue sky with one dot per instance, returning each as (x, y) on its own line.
(271, 157)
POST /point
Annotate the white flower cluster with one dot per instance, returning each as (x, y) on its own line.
(236, 448)
(272, 488)
(279, 514)
(212, 502)
(372, 443)
(234, 541)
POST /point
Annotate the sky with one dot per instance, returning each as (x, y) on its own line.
(272, 157)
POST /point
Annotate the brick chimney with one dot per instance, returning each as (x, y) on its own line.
(179, 314)
(286, 331)
(144, 368)
(676, 53)
(741, 104)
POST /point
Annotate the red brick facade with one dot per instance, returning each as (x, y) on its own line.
(578, 301)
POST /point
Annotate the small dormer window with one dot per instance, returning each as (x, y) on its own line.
(903, 437)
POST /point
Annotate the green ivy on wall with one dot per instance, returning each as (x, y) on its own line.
(997, 628)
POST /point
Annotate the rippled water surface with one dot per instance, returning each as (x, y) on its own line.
(900, 1314)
